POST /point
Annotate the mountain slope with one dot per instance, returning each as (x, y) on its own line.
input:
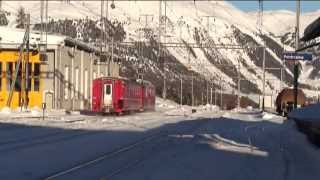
(186, 23)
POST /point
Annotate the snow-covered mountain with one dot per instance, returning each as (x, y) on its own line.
(187, 23)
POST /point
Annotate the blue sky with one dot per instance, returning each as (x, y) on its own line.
(306, 6)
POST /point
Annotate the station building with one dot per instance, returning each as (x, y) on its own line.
(63, 81)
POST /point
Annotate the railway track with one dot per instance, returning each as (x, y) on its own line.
(78, 168)
(52, 137)
(106, 156)
(46, 138)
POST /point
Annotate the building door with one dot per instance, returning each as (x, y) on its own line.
(49, 101)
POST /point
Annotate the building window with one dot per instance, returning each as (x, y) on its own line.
(66, 82)
(36, 74)
(29, 70)
(77, 83)
(17, 84)
(0, 76)
(86, 84)
(94, 75)
(36, 84)
(9, 72)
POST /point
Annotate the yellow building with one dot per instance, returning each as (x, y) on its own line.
(63, 81)
(8, 62)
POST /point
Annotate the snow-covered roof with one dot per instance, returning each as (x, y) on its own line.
(15, 36)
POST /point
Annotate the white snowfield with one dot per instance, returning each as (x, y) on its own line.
(209, 144)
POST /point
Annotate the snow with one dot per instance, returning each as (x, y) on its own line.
(13, 35)
(5, 111)
(280, 22)
(267, 116)
(193, 144)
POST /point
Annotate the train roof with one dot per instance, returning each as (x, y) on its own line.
(144, 82)
(112, 78)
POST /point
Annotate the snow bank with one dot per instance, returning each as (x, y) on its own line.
(267, 116)
(168, 104)
(249, 108)
(36, 111)
(5, 111)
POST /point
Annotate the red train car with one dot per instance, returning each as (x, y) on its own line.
(111, 94)
(148, 98)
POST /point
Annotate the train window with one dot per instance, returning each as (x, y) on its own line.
(108, 89)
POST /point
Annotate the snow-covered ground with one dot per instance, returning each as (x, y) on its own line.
(208, 144)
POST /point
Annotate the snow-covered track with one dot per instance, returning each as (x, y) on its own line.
(107, 155)
(130, 148)
(56, 137)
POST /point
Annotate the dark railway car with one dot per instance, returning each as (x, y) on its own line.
(307, 120)
(118, 95)
(285, 100)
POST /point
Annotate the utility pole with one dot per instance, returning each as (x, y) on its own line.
(221, 93)
(192, 98)
(160, 10)
(207, 92)
(165, 33)
(238, 105)
(181, 91)
(27, 85)
(264, 54)
(281, 70)
(106, 45)
(215, 96)
(141, 66)
(41, 20)
(296, 67)
(46, 17)
(101, 37)
(211, 95)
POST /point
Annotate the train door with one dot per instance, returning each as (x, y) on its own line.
(107, 94)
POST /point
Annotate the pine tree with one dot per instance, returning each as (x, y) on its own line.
(21, 18)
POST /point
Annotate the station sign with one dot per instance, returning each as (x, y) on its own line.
(294, 56)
